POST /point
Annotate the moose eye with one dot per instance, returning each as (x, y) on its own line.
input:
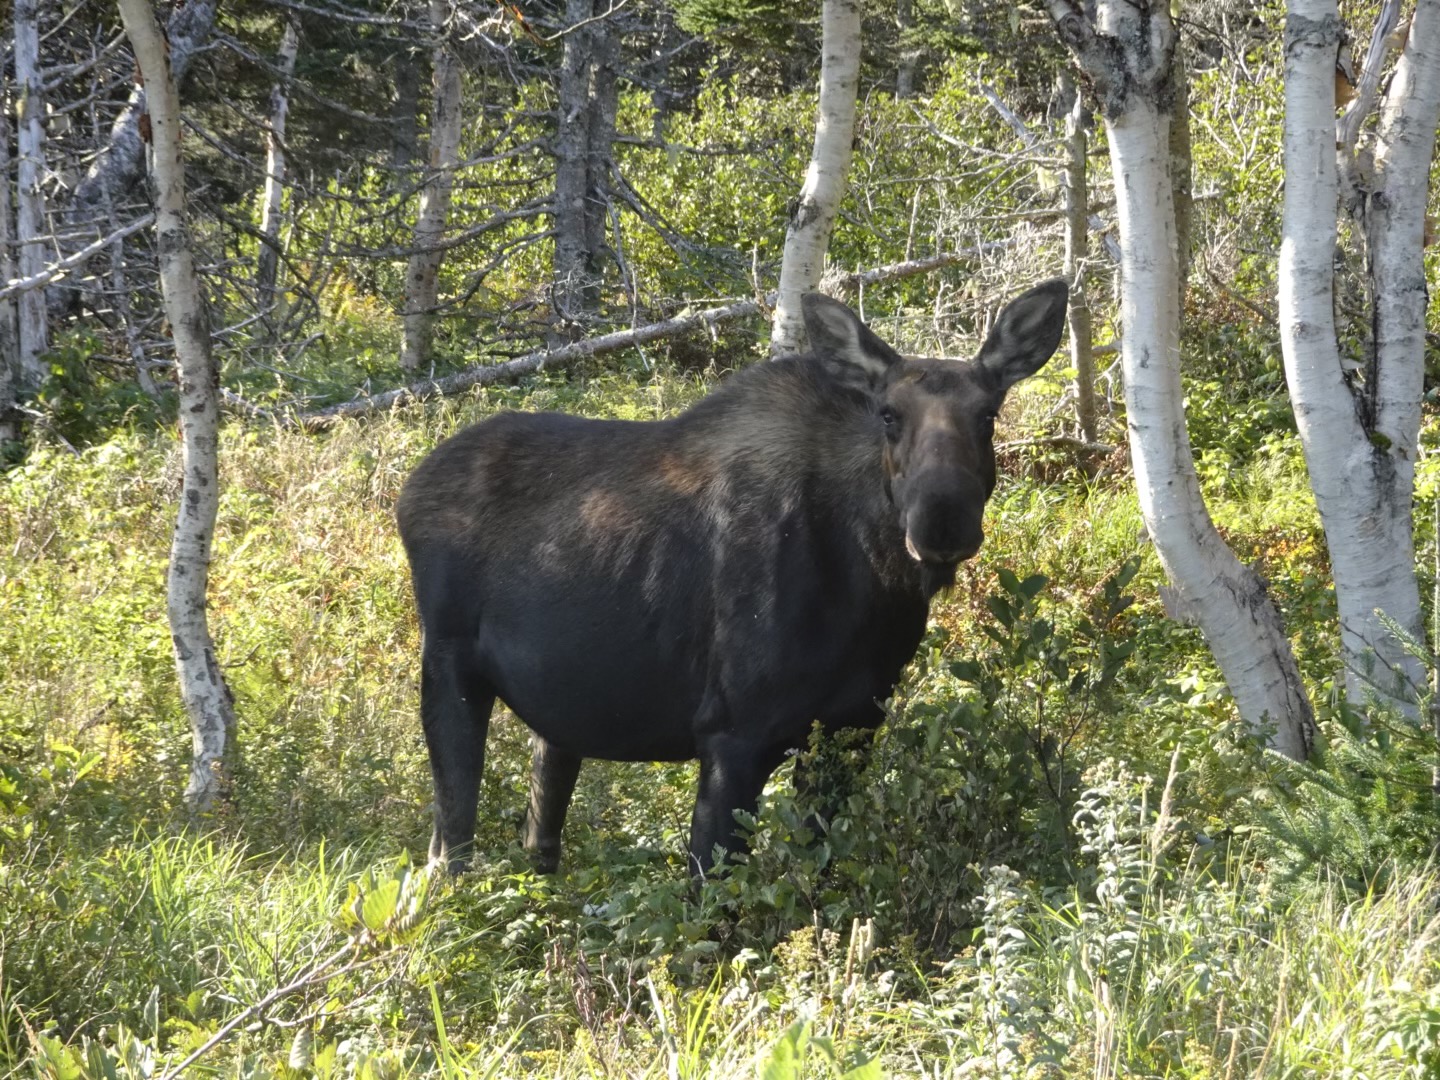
(891, 419)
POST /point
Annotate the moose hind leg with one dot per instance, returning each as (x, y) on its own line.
(552, 781)
(455, 704)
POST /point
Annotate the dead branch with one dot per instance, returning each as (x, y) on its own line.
(490, 374)
(56, 271)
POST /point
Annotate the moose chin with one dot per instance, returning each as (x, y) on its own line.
(706, 586)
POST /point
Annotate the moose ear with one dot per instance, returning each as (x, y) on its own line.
(1026, 334)
(836, 333)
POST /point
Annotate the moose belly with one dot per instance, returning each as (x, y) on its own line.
(598, 679)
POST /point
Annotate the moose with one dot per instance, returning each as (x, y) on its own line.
(706, 586)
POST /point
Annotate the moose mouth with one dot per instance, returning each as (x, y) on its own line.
(946, 559)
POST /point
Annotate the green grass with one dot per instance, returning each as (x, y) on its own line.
(1139, 933)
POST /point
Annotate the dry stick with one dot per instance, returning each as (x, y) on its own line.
(321, 971)
(579, 350)
(55, 271)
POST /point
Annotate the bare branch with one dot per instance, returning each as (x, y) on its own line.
(58, 270)
(553, 358)
(1382, 43)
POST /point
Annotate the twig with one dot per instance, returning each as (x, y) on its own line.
(320, 971)
(56, 271)
(1058, 440)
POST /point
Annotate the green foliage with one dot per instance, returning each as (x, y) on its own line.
(87, 395)
(876, 933)
(1364, 808)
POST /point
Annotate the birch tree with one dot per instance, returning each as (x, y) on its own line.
(1359, 416)
(813, 219)
(119, 164)
(1077, 250)
(33, 330)
(1127, 53)
(422, 276)
(202, 684)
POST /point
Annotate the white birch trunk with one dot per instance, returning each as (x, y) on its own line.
(808, 235)
(1129, 62)
(422, 277)
(268, 262)
(120, 164)
(202, 684)
(1361, 441)
(29, 196)
(1077, 252)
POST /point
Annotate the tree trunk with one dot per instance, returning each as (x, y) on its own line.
(572, 269)
(268, 262)
(202, 683)
(422, 277)
(9, 320)
(1077, 251)
(120, 163)
(1127, 54)
(1361, 435)
(603, 106)
(34, 331)
(909, 56)
(813, 219)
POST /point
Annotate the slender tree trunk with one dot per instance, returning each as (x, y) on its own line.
(202, 683)
(9, 319)
(603, 107)
(34, 330)
(570, 263)
(120, 163)
(1361, 435)
(1127, 53)
(1077, 251)
(268, 262)
(909, 56)
(422, 277)
(813, 219)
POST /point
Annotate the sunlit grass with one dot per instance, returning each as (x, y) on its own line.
(616, 967)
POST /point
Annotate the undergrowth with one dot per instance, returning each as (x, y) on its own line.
(993, 896)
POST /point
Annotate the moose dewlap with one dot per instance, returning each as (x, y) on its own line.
(706, 586)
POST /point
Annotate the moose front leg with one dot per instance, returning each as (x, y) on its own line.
(553, 773)
(732, 775)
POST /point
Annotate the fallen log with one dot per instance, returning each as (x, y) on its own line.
(529, 364)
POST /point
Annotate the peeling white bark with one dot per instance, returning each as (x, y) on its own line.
(202, 684)
(422, 276)
(1360, 438)
(813, 219)
(1128, 55)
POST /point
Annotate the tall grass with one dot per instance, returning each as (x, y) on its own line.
(1136, 950)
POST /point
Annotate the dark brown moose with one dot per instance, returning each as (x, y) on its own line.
(705, 586)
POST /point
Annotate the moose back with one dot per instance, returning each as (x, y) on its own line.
(706, 586)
